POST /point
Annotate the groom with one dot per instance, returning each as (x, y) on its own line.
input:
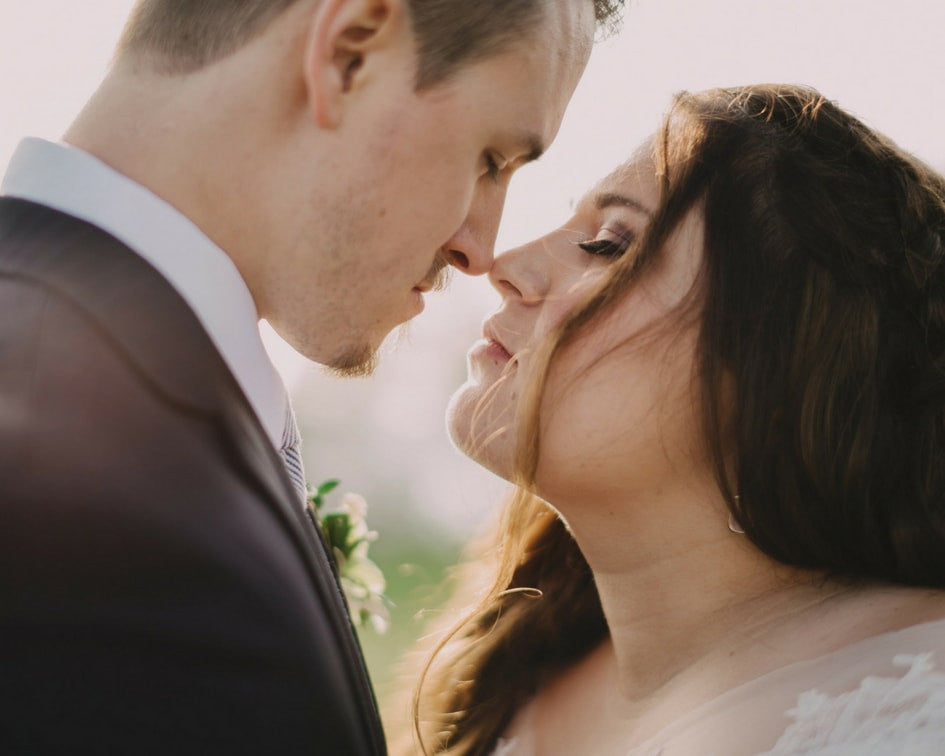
(316, 163)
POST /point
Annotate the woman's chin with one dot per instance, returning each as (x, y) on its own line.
(481, 441)
(459, 419)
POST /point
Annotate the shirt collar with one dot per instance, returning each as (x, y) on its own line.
(76, 183)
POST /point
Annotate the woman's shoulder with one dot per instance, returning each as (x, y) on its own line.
(897, 712)
(882, 692)
(878, 688)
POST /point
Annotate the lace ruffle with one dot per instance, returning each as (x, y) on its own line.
(884, 715)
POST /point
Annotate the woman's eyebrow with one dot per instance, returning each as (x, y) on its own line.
(610, 199)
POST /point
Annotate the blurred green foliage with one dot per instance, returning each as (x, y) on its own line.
(416, 569)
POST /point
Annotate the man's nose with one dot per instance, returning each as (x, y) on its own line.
(471, 248)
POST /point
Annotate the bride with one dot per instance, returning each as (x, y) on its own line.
(720, 392)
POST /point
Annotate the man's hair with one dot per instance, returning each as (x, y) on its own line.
(181, 36)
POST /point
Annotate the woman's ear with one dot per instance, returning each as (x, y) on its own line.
(342, 36)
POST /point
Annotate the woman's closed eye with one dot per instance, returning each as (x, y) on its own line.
(608, 246)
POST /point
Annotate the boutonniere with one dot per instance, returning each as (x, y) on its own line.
(344, 525)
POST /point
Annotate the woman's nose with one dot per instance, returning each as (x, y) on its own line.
(523, 273)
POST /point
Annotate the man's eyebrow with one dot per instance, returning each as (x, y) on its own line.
(610, 199)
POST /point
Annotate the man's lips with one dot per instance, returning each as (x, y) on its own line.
(437, 278)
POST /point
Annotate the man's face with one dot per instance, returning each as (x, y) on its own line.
(413, 181)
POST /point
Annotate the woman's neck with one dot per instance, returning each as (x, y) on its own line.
(683, 594)
(695, 610)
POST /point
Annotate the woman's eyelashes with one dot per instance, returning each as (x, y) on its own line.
(608, 246)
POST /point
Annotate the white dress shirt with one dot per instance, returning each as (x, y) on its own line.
(72, 181)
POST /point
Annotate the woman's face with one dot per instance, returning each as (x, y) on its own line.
(619, 407)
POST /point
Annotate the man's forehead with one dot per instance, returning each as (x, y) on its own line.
(573, 25)
(564, 53)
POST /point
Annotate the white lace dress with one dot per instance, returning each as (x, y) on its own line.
(883, 696)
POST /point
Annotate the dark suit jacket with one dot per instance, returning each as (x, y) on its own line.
(161, 591)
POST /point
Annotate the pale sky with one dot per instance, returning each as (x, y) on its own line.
(881, 59)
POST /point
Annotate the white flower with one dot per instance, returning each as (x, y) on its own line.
(366, 573)
(354, 505)
(347, 533)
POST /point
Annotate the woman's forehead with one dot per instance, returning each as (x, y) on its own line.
(635, 181)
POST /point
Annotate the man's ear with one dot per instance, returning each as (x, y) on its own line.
(343, 33)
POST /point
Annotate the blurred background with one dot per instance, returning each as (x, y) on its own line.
(384, 436)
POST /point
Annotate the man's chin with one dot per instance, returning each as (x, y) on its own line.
(354, 362)
(361, 360)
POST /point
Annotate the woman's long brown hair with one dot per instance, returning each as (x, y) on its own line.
(822, 302)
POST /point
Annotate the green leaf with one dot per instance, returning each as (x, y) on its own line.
(337, 528)
(317, 497)
(327, 487)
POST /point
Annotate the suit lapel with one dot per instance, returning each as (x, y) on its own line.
(259, 456)
(138, 308)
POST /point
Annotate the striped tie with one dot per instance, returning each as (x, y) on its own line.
(291, 453)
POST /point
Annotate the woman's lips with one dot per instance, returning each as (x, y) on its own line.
(491, 350)
(497, 348)
(491, 345)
